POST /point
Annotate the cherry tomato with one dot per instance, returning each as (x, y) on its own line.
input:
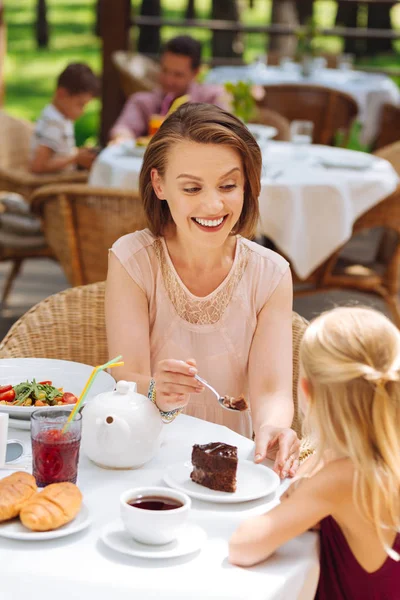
(8, 396)
(44, 382)
(69, 398)
(40, 403)
(5, 388)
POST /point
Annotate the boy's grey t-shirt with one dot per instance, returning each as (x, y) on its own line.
(55, 131)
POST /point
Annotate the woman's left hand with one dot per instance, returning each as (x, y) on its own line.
(280, 444)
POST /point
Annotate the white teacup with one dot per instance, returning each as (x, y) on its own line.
(154, 525)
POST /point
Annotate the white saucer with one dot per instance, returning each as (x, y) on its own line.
(253, 482)
(14, 530)
(190, 539)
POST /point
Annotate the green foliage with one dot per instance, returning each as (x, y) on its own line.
(352, 141)
(307, 39)
(243, 103)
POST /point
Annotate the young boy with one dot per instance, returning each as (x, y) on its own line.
(53, 141)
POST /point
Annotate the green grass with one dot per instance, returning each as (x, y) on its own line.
(30, 73)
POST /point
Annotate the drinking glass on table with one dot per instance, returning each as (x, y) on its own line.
(301, 133)
(55, 454)
(345, 62)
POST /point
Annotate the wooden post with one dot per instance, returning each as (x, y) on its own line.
(115, 25)
(3, 44)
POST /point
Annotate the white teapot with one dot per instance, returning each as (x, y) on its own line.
(121, 429)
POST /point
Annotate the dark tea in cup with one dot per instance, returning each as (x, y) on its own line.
(155, 503)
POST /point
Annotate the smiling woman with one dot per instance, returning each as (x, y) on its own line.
(192, 295)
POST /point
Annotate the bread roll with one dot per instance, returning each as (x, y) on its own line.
(55, 506)
(15, 491)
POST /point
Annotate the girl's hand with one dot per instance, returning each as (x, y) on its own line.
(175, 382)
(281, 444)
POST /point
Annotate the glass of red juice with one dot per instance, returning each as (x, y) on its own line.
(55, 455)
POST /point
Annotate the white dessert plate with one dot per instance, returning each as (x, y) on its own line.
(71, 376)
(190, 539)
(351, 160)
(14, 530)
(253, 482)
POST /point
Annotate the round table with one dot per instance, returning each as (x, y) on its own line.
(81, 565)
(309, 198)
(370, 90)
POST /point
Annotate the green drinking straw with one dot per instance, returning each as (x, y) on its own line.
(115, 362)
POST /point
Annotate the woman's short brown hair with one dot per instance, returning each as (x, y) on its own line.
(204, 124)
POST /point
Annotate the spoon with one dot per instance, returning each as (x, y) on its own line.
(219, 398)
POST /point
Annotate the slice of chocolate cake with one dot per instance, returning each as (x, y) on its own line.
(214, 466)
(236, 403)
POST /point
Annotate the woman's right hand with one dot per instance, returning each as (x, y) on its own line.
(175, 382)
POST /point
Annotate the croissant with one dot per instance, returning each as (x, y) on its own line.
(15, 491)
(55, 506)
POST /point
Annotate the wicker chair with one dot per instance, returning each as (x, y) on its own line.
(137, 72)
(74, 325)
(75, 330)
(381, 277)
(389, 130)
(330, 110)
(391, 153)
(81, 223)
(274, 119)
(14, 159)
(15, 177)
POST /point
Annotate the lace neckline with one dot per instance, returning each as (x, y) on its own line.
(218, 288)
(197, 310)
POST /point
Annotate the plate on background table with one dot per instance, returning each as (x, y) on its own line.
(253, 482)
(71, 376)
(190, 539)
(14, 530)
(261, 132)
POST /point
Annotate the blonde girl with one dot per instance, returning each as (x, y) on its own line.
(350, 393)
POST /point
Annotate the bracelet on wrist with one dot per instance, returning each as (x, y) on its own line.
(167, 416)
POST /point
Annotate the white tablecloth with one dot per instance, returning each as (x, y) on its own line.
(370, 91)
(82, 566)
(308, 210)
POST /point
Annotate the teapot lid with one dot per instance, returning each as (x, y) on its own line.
(126, 387)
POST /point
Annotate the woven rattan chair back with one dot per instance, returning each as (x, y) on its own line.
(265, 116)
(389, 129)
(391, 153)
(15, 135)
(69, 326)
(81, 223)
(137, 73)
(330, 110)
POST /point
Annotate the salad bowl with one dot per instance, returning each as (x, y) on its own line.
(68, 375)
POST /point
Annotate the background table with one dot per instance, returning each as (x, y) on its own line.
(82, 566)
(308, 210)
(370, 90)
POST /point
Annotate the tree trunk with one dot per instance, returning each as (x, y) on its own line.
(305, 10)
(42, 28)
(149, 36)
(98, 9)
(190, 12)
(225, 44)
(379, 18)
(347, 16)
(283, 13)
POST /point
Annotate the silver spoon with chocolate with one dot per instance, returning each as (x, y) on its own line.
(227, 402)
